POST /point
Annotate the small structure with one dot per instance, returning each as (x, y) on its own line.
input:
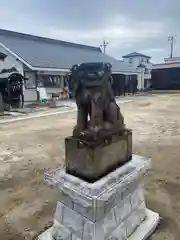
(11, 89)
(100, 195)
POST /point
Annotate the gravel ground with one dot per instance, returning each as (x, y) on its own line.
(30, 147)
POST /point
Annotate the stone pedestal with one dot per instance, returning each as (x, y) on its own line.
(92, 160)
(112, 208)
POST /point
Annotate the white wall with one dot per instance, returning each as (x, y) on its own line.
(136, 61)
(30, 94)
(141, 76)
(140, 79)
(9, 62)
(166, 65)
(172, 60)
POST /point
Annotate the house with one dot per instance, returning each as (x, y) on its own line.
(143, 65)
(166, 75)
(47, 62)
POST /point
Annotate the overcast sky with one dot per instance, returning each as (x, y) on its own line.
(128, 25)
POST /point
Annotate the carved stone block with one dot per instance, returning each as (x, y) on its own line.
(91, 161)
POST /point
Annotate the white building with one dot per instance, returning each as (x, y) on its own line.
(173, 62)
(47, 62)
(143, 65)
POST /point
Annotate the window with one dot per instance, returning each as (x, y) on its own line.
(147, 60)
(30, 83)
(130, 60)
(50, 81)
(146, 71)
(142, 59)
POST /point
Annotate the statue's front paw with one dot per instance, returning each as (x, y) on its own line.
(75, 131)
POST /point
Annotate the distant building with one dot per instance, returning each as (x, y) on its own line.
(47, 62)
(143, 65)
(166, 76)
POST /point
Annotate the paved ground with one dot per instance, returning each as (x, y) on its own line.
(30, 147)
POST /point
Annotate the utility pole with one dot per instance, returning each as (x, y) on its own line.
(104, 45)
(171, 39)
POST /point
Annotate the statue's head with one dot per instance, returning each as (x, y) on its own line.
(86, 72)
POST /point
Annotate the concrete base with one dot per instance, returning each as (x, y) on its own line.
(112, 208)
(143, 232)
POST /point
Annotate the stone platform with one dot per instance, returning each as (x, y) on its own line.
(112, 208)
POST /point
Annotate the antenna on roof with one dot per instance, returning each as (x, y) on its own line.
(171, 39)
(104, 45)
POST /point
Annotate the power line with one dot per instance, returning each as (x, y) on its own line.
(171, 39)
(104, 46)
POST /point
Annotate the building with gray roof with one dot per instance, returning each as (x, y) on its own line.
(34, 56)
(43, 53)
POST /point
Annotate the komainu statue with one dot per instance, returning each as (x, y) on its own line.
(92, 85)
(100, 142)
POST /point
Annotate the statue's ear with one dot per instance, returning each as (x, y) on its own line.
(74, 68)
